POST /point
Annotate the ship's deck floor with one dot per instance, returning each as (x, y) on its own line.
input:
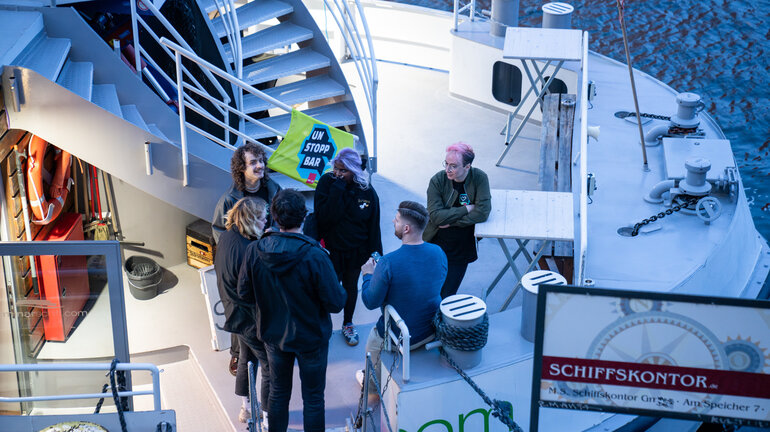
(413, 136)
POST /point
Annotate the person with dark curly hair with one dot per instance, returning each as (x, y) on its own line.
(248, 166)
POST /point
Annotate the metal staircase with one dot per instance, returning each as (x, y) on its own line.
(308, 76)
(64, 84)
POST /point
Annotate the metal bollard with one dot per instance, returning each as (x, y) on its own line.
(463, 310)
(530, 282)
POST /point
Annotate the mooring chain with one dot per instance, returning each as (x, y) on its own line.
(626, 114)
(661, 215)
(499, 410)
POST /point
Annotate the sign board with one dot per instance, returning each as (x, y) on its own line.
(220, 339)
(653, 354)
(307, 149)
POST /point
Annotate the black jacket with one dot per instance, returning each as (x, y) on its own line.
(348, 217)
(227, 264)
(290, 279)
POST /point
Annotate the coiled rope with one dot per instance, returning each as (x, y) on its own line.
(471, 338)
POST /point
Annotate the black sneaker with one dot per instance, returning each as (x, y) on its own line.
(350, 334)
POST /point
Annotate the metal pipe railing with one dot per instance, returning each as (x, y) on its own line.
(389, 314)
(230, 109)
(167, 25)
(183, 98)
(582, 215)
(58, 367)
(223, 74)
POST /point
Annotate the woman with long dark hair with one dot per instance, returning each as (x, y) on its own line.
(347, 211)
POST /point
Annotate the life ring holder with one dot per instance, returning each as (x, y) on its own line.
(45, 210)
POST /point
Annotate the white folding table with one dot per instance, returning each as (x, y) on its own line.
(528, 44)
(524, 216)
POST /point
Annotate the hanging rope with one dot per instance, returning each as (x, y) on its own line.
(118, 402)
(472, 339)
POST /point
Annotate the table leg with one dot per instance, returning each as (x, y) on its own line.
(509, 264)
(523, 249)
(540, 253)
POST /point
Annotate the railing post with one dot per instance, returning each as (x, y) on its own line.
(455, 18)
(473, 10)
(135, 31)
(182, 122)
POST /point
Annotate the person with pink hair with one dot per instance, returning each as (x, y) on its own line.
(458, 199)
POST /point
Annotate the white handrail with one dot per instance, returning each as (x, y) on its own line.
(223, 74)
(362, 55)
(582, 216)
(167, 25)
(57, 367)
(184, 98)
(390, 314)
(457, 12)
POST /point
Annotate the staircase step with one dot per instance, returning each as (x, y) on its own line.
(334, 115)
(77, 77)
(253, 13)
(207, 5)
(153, 128)
(131, 113)
(20, 29)
(277, 36)
(284, 65)
(305, 90)
(46, 57)
(106, 96)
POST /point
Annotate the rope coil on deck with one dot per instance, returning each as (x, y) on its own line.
(471, 338)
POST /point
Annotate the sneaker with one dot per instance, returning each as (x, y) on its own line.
(360, 377)
(350, 334)
(233, 367)
(244, 415)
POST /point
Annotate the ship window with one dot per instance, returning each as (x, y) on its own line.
(556, 86)
(506, 83)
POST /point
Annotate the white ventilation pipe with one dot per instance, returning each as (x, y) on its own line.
(656, 194)
(651, 138)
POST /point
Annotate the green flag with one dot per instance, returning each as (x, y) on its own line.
(307, 149)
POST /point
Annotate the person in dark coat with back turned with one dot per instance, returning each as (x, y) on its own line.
(347, 212)
(245, 223)
(290, 279)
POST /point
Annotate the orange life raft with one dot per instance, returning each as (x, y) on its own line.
(45, 210)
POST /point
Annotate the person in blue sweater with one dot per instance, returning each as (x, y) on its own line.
(409, 279)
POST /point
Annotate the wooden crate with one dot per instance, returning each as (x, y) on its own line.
(199, 254)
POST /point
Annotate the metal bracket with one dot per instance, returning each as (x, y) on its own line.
(148, 157)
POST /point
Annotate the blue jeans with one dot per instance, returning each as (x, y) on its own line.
(312, 375)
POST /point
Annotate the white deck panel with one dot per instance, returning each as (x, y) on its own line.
(542, 44)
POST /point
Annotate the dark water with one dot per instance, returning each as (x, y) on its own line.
(719, 49)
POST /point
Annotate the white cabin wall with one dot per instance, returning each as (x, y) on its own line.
(161, 226)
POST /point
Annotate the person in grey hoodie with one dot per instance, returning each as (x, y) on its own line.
(294, 287)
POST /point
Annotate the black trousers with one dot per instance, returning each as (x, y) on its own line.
(454, 277)
(348, 264)
(253, 350)
(235, 345)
